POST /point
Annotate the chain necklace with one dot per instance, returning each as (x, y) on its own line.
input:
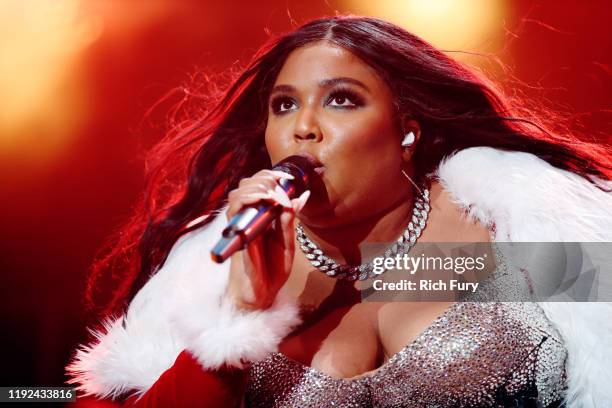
(420, 212)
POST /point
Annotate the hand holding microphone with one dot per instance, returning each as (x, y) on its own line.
(261, 214)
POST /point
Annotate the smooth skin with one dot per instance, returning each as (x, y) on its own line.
(328, 103)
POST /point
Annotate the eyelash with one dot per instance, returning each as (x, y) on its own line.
(355, 99)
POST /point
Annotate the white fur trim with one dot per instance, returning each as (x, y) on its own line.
(531, 201)
(122, 359)
(178, 309)
(526, 198)
(222, 335)
(587, 331)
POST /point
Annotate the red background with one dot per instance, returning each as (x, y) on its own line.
(55, 215)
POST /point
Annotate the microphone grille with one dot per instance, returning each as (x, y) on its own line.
(301, 168)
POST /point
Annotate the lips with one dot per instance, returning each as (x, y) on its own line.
(319, 168)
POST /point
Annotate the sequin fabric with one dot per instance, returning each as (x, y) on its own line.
(476, 354)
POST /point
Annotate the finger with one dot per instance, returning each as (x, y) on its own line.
(281, 174)
(255, 197)
(277, 174)
(257, 263)
(280, 245)
(236, 194)
(298, 203)
(287, 236)
(281, 196)
(238, 203)
(277, 195)
(267, 180)
(254, 188)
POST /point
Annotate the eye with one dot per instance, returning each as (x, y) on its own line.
(344, 99)
(282, 104)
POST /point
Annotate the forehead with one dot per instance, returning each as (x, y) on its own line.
(308, 65)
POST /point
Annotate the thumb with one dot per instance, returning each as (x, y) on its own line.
(286, 232)
(287, 218)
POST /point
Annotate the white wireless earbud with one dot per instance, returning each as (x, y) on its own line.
(408, 139)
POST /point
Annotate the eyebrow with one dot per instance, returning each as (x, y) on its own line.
(326, 83)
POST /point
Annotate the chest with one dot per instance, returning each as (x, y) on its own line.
(475, 354)
(344, 337)
(350, 340)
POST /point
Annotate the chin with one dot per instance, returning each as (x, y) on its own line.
(326, 215)
(320, 215)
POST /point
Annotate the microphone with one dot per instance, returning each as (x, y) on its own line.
(254, 219)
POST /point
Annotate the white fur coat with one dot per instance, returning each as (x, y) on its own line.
(182, 307)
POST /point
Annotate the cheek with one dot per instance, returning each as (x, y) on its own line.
(365, 161)
(369, 142)
(275, 144)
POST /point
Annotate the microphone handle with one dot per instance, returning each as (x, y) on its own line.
(249, 223)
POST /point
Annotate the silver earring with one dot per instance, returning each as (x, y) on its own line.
(408, 139)
(413, 183)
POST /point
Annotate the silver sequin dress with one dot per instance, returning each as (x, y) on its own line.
(476, 354)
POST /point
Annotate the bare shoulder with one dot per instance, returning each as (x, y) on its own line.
(449, 223)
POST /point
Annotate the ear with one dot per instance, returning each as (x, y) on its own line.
(410, 125)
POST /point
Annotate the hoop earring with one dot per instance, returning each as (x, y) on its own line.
(412, 181)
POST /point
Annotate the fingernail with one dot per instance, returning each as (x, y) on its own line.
(301, 200)
(282, 174)
(281, 196)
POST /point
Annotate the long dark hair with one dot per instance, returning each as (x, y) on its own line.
(191, 171)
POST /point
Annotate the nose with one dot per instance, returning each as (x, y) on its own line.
(307, 127)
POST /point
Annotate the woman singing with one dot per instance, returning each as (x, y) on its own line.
(406, 142)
